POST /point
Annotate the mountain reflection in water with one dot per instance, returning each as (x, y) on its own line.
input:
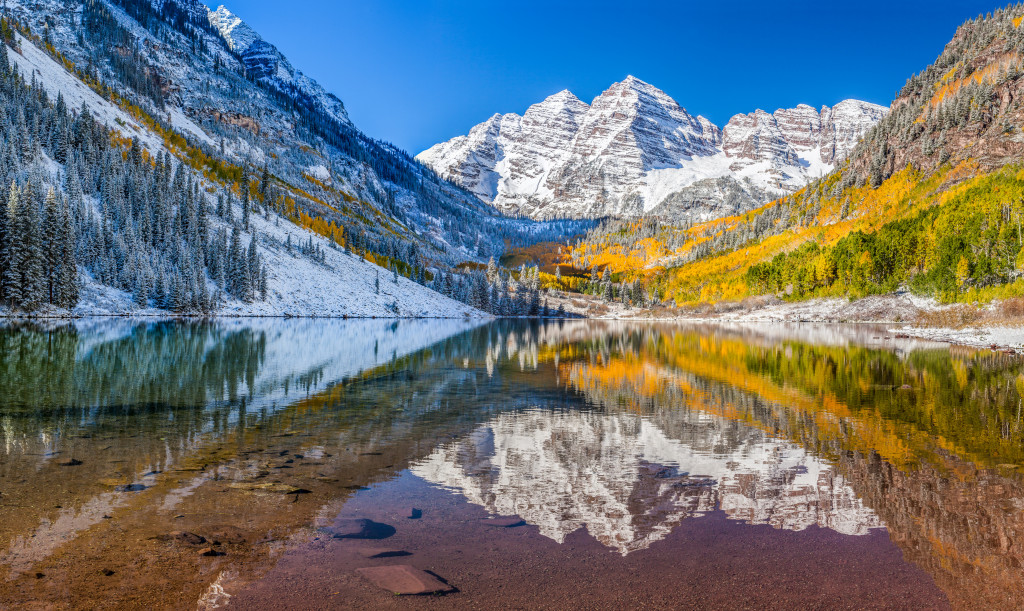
(628, 482)
(115, 433)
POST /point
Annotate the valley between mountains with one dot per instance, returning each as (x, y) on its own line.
(164, 158)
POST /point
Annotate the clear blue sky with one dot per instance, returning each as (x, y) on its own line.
(421, 71)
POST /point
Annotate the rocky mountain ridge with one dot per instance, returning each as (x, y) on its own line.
(262, 60)
(635, 151)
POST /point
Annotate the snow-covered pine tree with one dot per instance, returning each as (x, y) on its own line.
(245, 201)
(12, 247)
(5, 238)
(253, 269)
(492, 271)
(67, 276)
(51, 247)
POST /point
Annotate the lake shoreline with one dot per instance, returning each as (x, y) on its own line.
(909, 316)
(905, 315)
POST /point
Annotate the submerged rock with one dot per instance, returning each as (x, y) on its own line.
(404, 579)
(130, 487)
(230, 535)
(503, 522)
(272, 487)
(382, 552)
(359, 528)
(181, 537)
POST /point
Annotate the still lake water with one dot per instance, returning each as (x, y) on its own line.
(206, 465)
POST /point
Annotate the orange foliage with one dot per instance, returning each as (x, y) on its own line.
(988, 73)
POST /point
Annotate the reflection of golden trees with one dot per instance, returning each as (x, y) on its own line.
(939, 462)
(968, 405)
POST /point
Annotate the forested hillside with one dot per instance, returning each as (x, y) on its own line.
(931, 200)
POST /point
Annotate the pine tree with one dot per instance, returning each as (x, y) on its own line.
(253, 268)
(246, 204)
(32, 285)
(51, 248)
(5, 237)
(264, 183)
(492, 271)
(235, 260)
(141, 295)
(13, 250)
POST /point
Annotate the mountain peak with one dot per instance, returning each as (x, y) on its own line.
(634, 149)
(563, 97)
(632, 83)
(264, 61)
(235, 32)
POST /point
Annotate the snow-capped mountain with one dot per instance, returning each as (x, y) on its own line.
(634, 151)
(629, 482)
(262, 60)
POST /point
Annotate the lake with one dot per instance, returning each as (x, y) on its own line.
(264, 463)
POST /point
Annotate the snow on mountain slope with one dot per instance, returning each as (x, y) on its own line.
(635, 151)
(341, 285)
(36, 65)
(208, 75)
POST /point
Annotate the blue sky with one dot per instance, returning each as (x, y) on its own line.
(421, 71)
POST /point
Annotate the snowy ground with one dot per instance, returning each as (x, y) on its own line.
(876, 308)
(996, 337)
(344, 285)
(903, 307)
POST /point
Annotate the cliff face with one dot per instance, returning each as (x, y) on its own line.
(635, 151)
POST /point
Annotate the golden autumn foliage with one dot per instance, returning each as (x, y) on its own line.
(961, 194)
(949, 86)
